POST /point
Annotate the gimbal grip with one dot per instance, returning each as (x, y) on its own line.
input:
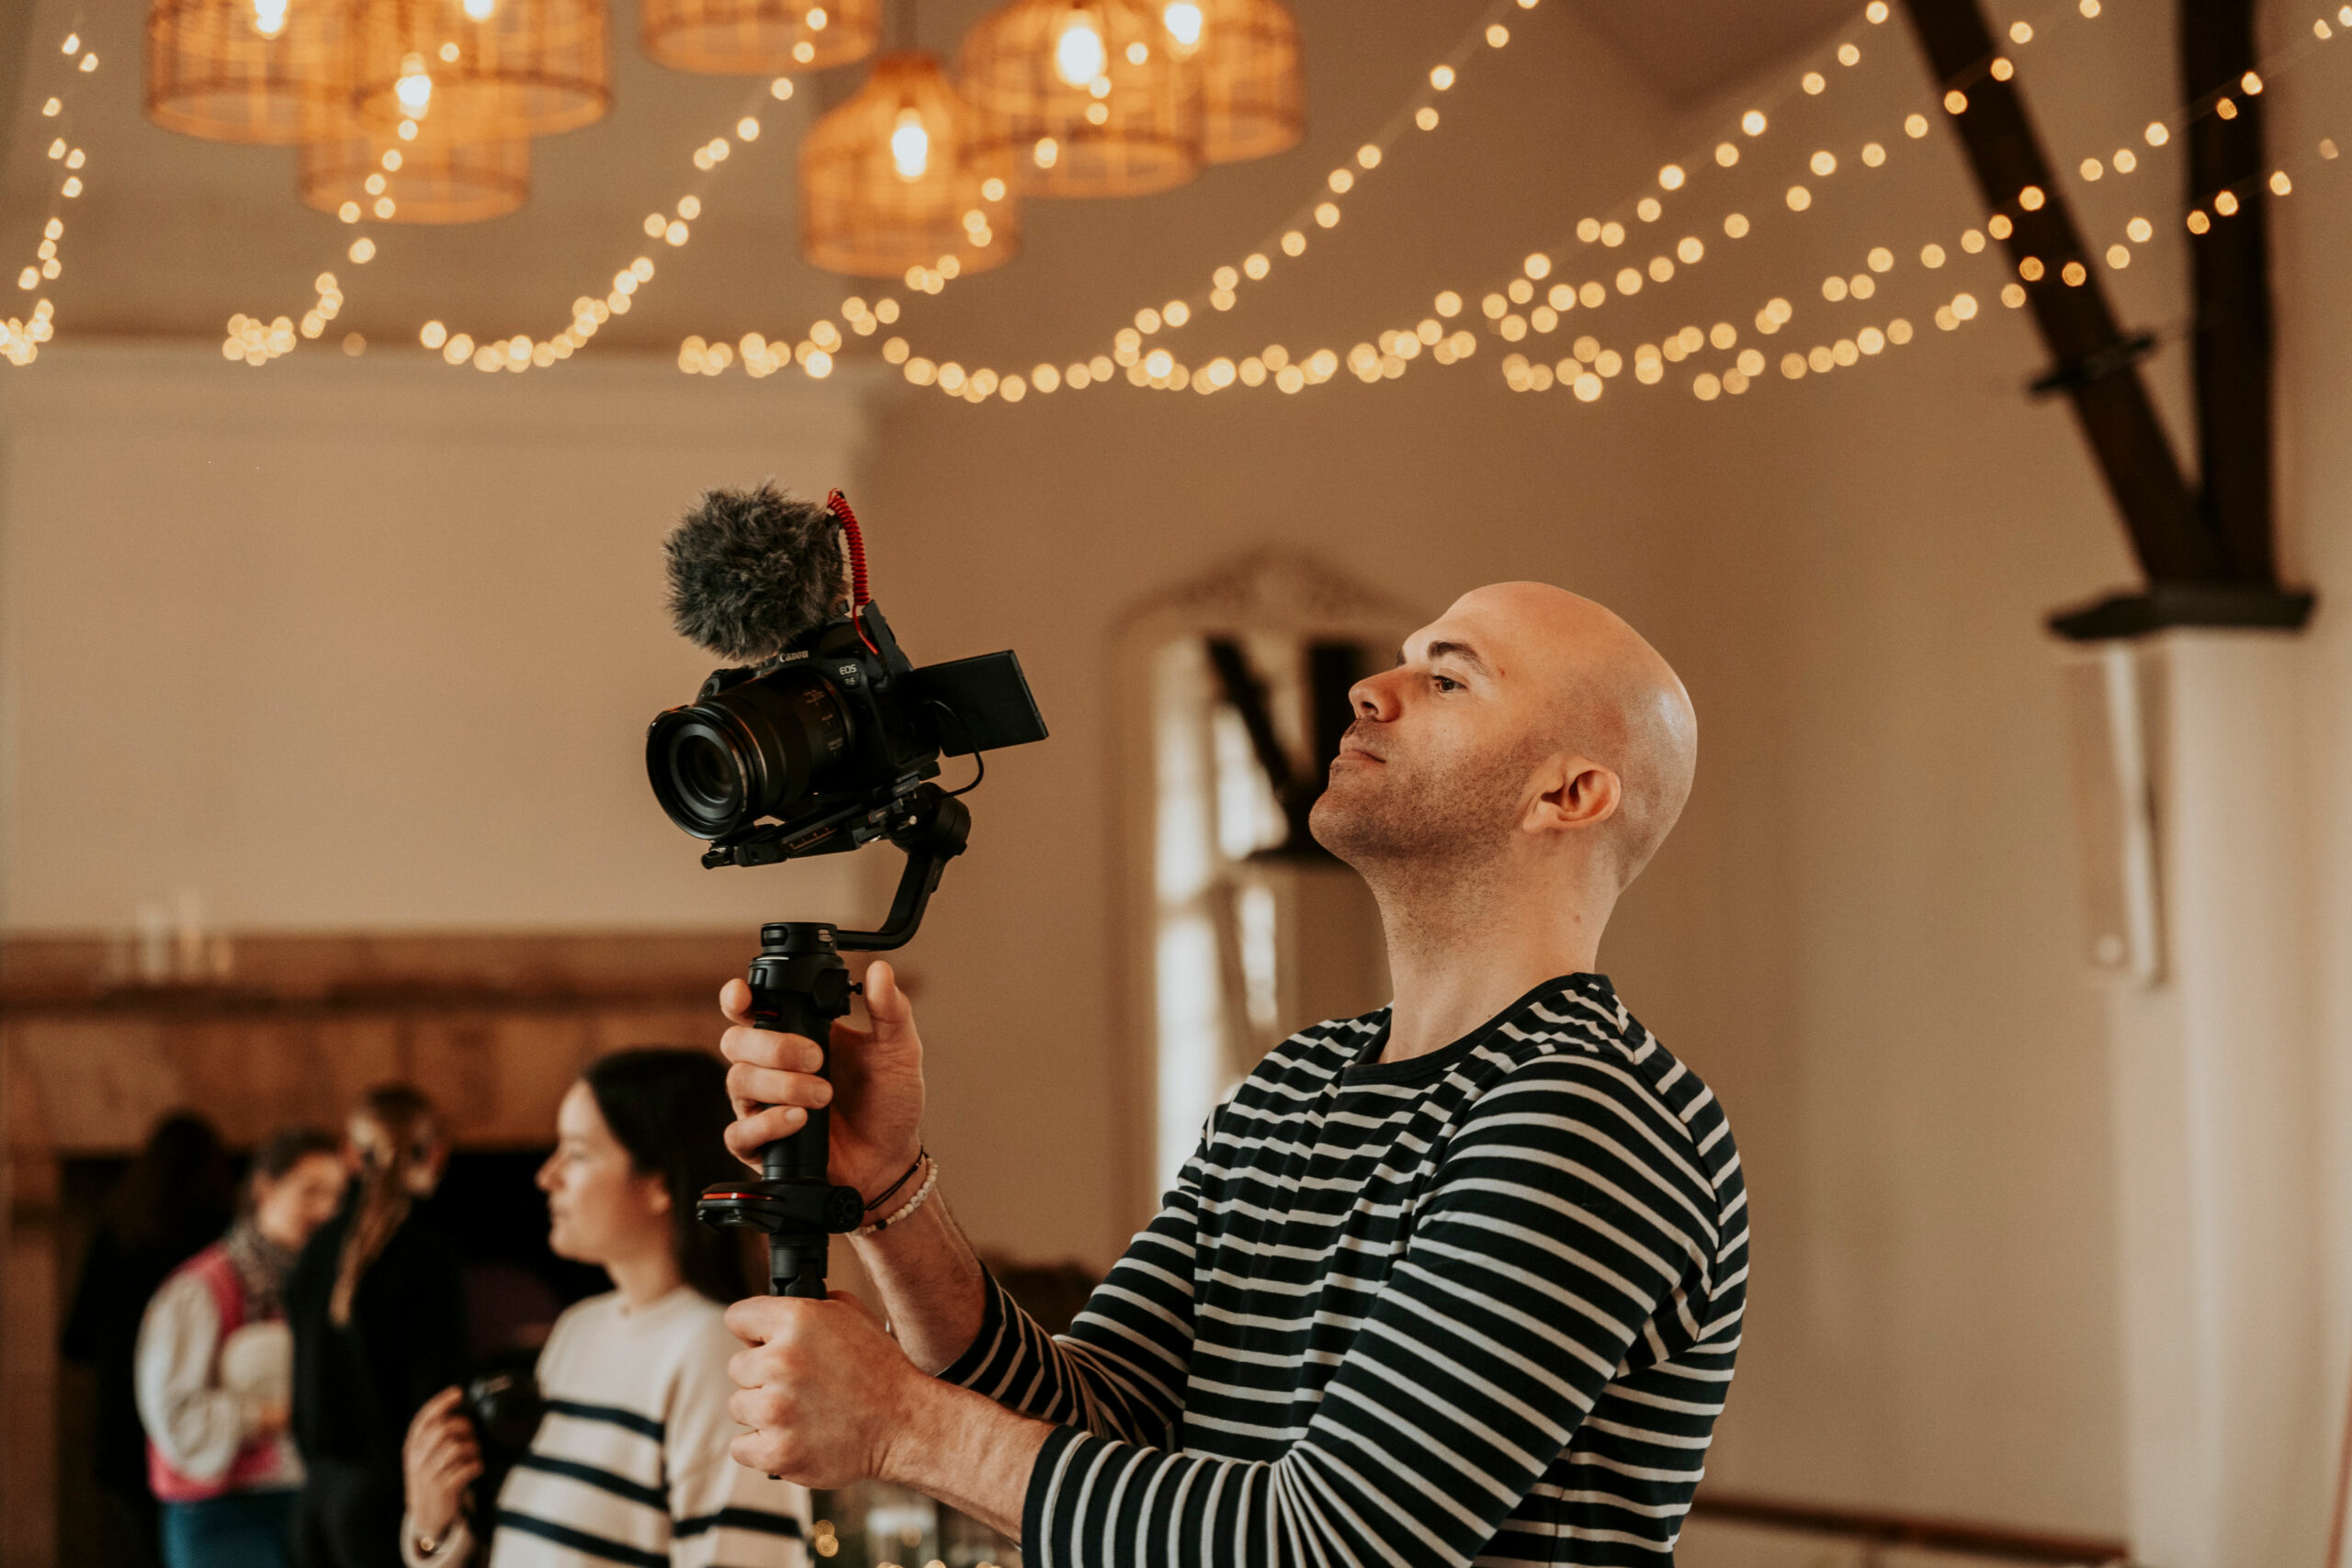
(802, 1155)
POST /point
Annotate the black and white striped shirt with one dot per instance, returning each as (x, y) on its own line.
(1476, 1306)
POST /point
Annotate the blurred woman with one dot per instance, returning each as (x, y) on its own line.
(630, 1464)
(377, 1308)
(172, 1202)
(215, 1365)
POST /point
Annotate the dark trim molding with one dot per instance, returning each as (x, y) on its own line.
(2007, 1542)
(2166, 605)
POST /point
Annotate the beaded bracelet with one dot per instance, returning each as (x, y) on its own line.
(907, 1210)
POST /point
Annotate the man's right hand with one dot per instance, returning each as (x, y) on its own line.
(876, 1091)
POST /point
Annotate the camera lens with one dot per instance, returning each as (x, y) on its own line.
(707, 770)
(747, 752)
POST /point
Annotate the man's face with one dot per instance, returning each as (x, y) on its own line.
(1441, 749)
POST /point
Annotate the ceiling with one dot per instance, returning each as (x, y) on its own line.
(174, 234)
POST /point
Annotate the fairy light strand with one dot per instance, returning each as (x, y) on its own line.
(1158, 368)
(1320, 210)
(818, 350)
(21, 336)
(1397, 346)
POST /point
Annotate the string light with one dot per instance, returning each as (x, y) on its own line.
(1949, 315)
(1394, 349)
(22, 336)
(1960, 308)
(588, 314)
(1383, 362)
(1326, 212)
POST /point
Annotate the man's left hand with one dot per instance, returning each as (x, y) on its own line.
(825, 1391)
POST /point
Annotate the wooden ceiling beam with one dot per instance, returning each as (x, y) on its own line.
(2097, 366)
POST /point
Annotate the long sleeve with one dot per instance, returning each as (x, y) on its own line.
(197, 1426)
(722, 1515)
(1557, 1221)
(431, 1313)
(1120, 1371)
(458, 1546)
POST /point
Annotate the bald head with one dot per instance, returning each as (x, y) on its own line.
(1601, 691)
(1521, 710)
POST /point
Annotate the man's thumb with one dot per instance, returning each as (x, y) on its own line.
(886, 1004)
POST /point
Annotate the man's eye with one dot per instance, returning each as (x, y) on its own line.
(1446, 683)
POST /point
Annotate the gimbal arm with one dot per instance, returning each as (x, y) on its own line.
(935, 830)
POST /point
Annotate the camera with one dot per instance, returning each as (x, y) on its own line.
(828, 742)
(809, 753)
(506, 1407)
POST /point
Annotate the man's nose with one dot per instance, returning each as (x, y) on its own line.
(1375, 697)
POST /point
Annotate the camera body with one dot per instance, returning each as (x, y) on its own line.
(817, 750)
(506, 1407)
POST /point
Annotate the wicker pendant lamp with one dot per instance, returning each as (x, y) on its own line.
(275, 71)
(384, 178)
(893, 179)
(481, 70)
(1087, 99)
(1253, 94)
(753, 38)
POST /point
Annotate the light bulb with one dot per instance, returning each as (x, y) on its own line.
(269, 17)
(1182, 20)
(1078, 53)
(911, 145)
(415, 88)
(480, 10)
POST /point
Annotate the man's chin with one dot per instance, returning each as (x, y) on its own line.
(1339, 825)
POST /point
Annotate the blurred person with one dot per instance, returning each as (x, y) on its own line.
(171, 1202)
(216, 1368)
(630, 1464)
(1458, 1281)
(377, 1305)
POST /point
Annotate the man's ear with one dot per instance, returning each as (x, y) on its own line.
(1573, 793)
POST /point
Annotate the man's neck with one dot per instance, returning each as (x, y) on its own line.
(1465, 944)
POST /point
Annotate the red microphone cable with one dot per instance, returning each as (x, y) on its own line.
(838, 505)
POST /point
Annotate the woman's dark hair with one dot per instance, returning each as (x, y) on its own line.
(397, 1135)
(281, 1152)
(668, 1107)
(178, 1193)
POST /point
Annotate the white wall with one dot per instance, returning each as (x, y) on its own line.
(371, 644)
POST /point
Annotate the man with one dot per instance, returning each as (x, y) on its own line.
(1458, 1281)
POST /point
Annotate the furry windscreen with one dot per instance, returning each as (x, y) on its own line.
(750, 569)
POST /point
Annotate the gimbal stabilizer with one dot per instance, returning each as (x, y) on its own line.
(799, 985)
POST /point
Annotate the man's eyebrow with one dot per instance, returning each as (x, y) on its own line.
(1461, 651)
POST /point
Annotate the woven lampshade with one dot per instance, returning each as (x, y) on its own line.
(894, 178)
(750, 37)
(424, 182)
(275, 71)
(1089, 99)
(497, 69)
(1253, 94)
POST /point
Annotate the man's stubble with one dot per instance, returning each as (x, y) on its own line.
(1419, 828)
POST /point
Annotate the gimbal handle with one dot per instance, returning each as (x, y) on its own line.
(799, 985)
